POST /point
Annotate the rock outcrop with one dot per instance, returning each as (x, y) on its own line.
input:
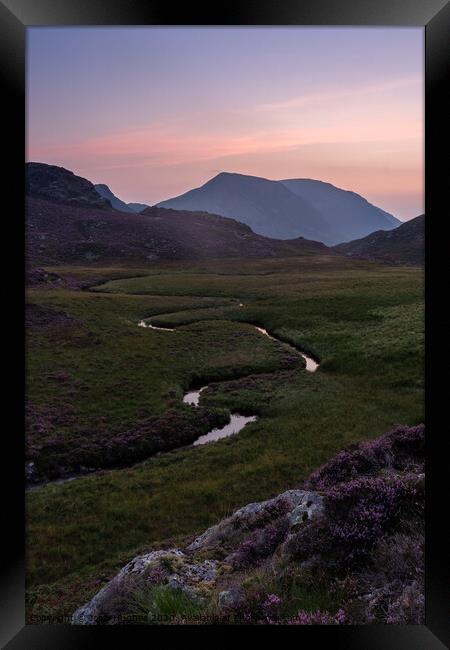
(348, 549)
(188, 570)
(296, 505)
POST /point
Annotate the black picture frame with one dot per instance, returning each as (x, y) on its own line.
(434, 15)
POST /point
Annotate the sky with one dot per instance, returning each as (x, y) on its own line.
(153, 112)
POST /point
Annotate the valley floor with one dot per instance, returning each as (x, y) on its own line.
(97, 383)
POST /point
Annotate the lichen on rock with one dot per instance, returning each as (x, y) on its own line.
(186, 570)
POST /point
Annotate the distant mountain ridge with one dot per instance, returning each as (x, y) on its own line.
(137, 207)
(402, 245)
(347, 211)
(266, 206)
(104, 191)
(63, 228)
(288, 208)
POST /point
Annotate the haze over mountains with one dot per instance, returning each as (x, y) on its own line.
(288, 208)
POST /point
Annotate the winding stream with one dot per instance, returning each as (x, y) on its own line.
(142, 323)
(237, 421)
(311, 365)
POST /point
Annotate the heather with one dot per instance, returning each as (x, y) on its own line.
(82, 230)
(260, 544)
(402, 448)
(94, 377)
(349, 555)
(361, 560)
(52, 456)
(404, 245)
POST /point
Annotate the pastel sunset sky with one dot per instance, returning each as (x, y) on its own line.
(154, 112)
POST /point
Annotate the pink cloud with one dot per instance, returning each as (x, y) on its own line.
(303, 100)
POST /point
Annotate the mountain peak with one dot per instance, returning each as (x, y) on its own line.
(285, 209)
(268, 207)
(238, 176)
(234, 177)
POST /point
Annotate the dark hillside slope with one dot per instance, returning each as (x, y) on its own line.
(69, 223)
(59, 234)
(60, 185)
(403, 245)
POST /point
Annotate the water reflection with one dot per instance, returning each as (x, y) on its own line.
(236, 423)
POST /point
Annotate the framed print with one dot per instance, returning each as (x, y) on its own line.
(226, 414)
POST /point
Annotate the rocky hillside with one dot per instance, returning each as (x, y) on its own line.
(346, 548)
(288, 208)
(403, 245)
(69, 223)
(59, 185)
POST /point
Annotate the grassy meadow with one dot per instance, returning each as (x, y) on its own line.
(103, 374)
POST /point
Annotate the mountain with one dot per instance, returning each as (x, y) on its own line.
(63, 229)
(288, 208)
(403, 245)
(138, 207)
(54, 183)
(117, 203)
(268, 207)
(349, 213)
